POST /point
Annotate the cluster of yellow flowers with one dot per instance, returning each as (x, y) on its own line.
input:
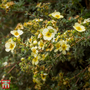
(44, 40)
(79, 26)
(62, 46)
(6, 5)
(10, 44)
(36, 46)
(45, 35)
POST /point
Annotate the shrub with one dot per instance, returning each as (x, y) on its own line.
(45, 49)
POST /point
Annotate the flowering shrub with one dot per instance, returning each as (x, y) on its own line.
(45, 56)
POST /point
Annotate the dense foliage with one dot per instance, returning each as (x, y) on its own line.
(45, 45)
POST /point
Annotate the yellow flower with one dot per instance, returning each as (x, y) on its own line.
(22, 59)
(43, 76)
(79, 27)
(19, 26)
(25, 24)
(10, 45)
(35, 60)
(58, 46)
(64, 46)
(86, 20)
(35, 42)
(41, 45)
(36, 80)
(30, 39)
(34, 51)
(16, 33)
(50, 47)
(49, 33)
(6, 6)
(56, 15)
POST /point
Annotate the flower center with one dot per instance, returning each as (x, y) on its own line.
(48, 34)
(35, 59)
(64, 47)
(43, 76)
(58, 16)
(41, 44)
(16, 33)
(78, 28)
(34, 50)
(11, 46)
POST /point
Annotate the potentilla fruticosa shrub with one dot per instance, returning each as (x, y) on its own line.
(39, 47)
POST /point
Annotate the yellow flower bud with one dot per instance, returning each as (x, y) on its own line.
(64, 82)
(14, 39)
(29, 58)
(22, 59)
